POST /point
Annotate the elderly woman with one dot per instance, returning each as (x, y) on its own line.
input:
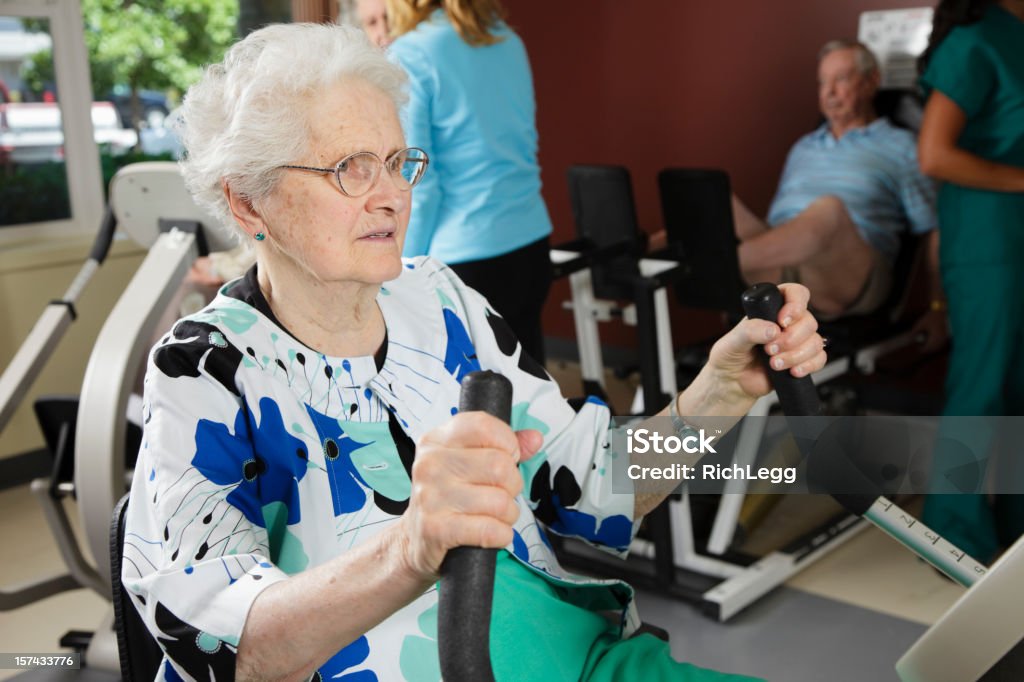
(304, 470)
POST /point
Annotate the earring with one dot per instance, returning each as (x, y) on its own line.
(259, 236)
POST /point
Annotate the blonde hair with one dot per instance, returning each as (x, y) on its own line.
(474, 20)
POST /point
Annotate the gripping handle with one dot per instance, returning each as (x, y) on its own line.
(797, 396)
(467, 573)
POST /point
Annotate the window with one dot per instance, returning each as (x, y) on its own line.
(49, 162)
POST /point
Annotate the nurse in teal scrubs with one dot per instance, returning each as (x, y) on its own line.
(972, 139)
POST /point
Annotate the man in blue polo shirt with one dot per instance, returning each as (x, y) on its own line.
(848, 191)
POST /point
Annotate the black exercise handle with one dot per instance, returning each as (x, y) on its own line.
(797, 396)
(467, 573)
(101, 245)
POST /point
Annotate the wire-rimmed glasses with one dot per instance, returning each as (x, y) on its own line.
(357, 173)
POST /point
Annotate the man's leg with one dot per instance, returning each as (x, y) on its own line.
(824, 243)
(748, 226)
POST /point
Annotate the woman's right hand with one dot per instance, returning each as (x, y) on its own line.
(465, 480)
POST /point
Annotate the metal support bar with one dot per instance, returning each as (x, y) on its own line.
(99, 447)
(30, 358)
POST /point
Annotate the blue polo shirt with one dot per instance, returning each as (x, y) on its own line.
(472, 110)
(873, 170)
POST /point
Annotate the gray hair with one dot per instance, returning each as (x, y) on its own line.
(247, 115)
(866, 60)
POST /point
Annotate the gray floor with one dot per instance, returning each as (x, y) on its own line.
(789, 636)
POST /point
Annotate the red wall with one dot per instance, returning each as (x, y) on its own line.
(655, 83)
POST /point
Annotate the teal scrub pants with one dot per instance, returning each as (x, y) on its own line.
(986, 377)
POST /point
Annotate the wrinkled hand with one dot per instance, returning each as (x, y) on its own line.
(464, 483)
(933, 327)
(793, 343)
(202, 273)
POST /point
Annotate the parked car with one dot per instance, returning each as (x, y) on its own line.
(31, 132)
(153, 106)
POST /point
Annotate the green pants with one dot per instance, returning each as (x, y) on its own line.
(539, 631)
(986, 377)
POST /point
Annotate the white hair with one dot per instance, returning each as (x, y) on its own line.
(249, 114)
(865, 59)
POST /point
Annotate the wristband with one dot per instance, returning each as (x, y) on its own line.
(682, 428)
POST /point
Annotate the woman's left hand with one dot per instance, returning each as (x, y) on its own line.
(792, 344)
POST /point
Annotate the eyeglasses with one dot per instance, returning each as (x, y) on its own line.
(357, 173)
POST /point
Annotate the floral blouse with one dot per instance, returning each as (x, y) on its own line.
(262, 458)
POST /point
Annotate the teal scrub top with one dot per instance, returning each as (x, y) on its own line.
(981, 68)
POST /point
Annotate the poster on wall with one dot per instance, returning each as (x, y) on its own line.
(897, 37)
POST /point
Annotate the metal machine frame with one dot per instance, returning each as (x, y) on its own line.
(721, 583)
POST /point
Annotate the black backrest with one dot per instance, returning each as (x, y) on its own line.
(605, 214)
(908, 258)
(903, 108)
(697, 209)
(139, 653)
(57, 416)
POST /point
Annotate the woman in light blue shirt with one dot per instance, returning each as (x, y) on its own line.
(471, 108)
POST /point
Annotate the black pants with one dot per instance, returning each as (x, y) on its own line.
(516, 284)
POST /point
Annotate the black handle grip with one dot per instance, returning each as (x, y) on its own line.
(467, 573)
(101, 245)
(799, 398)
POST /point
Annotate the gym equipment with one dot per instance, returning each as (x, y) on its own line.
(15, 383)
(141, 196)
(951, 650)
(799, 398)
(139, 655)
(700, 263)
(982, 636)
(152, 206)
(467, 573)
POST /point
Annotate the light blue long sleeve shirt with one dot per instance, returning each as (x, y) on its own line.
(472, 110)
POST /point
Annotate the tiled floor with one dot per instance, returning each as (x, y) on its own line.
(30, 553)
(871, 584)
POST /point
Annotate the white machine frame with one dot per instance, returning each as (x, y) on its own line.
(152, 206)
(740, 585)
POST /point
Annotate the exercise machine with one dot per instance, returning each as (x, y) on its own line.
(15, 383)
(980, 639)
(700, 263)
